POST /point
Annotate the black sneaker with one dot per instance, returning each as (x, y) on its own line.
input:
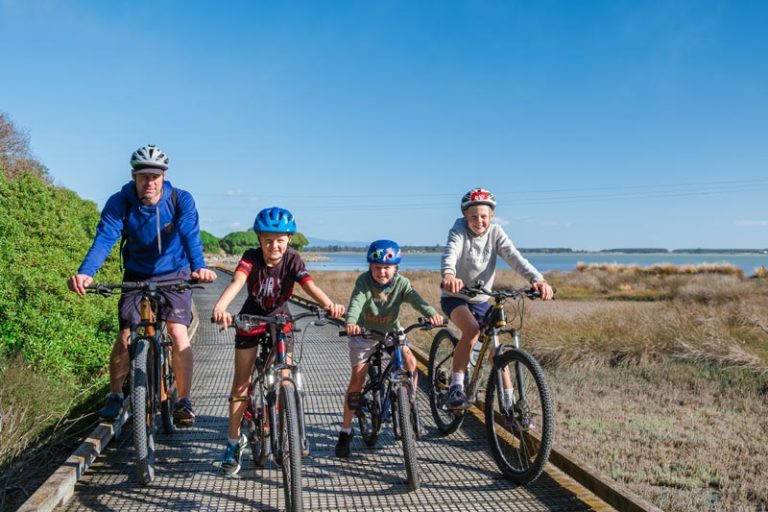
(343, 444)
(183, 413)
(112, 408)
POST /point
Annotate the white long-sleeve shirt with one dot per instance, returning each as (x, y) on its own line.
(472, 258)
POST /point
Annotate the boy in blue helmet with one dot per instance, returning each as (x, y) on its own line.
(270, 272)
(375, 304)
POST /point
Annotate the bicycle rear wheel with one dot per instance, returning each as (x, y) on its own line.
(440, 369)
(369, 411)
(407, 435)
(520, 430)
(289, 445)
(169, 392)
(142, 402)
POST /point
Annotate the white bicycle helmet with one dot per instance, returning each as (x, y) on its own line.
(478, 196)
(149, 156)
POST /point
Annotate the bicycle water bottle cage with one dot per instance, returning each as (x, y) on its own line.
(237, 399)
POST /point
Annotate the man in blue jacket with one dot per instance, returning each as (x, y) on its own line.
(161, 229)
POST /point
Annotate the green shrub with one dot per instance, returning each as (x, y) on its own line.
(45, 232)
(210, 242)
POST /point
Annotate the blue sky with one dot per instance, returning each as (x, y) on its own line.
(597, 124)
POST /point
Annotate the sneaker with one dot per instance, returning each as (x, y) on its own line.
(112, 408)
(343, 444)
(230, 461)
(455, 399)
(183, 413)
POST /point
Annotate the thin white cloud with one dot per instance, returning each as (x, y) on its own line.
(500, 221)
(752, 222)
(233, 193)
(235, 225)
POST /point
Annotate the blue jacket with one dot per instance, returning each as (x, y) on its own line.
(179, 244)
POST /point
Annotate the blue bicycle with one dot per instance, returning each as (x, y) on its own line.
(389, 394)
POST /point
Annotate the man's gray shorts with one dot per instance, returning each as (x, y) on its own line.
(177, 308)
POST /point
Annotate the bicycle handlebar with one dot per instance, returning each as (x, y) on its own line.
(513, 293)
(422, 323)
(178, 285)
(246, 321)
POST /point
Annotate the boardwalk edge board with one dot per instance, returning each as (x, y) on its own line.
(60, 486)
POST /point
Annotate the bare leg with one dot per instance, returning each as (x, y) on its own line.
(119, 361)
(182, 357)
(356, 381)
(244, 360)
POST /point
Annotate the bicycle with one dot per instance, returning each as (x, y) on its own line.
(519, 416)
(151, 376)
(273, 421)
(389, 394)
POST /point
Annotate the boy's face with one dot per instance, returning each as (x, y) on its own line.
(274, 245)
(383, 274)
(478, 218)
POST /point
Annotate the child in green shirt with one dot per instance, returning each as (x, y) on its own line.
(375, 304)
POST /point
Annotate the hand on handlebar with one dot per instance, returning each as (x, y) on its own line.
(544, 289)
(77, 283)
(353, 330)
(204, 275)
(222, 318)
(335, 310)
(452, 284)
(437, 321)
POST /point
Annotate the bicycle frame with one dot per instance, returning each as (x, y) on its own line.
(393, 376)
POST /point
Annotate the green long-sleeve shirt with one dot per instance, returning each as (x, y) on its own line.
(374, 307)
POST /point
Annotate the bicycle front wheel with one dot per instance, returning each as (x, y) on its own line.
(369, 411)
(440, 369)
(408, 437)
(519, 416)
(289, 445)
(169, 392)
(142, 402)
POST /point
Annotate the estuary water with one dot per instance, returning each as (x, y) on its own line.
(546, 262)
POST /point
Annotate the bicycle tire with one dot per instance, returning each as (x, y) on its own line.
(522, 442)
(258, 438)
(143, 411)
(290, 447)
(369, 411)
(439, 375)
(408, 438)
(171, 392)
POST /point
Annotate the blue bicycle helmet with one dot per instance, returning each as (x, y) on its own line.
(385, 252)
(275, 220)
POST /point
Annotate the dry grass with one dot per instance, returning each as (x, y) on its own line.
(660, 378)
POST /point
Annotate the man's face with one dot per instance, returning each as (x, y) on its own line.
(478, 218)
(149, 187)
(274, 245)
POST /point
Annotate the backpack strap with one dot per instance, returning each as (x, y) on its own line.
(124, 234)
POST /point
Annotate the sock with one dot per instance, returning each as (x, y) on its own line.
(347, 430)
(457, 379)
(233, 442)
(509, 395)
(118, 395)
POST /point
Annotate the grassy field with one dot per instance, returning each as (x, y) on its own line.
(660, 376)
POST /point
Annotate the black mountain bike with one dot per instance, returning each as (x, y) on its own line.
(273, 420)
(389, 393)
(519, 417)
(152, 381)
